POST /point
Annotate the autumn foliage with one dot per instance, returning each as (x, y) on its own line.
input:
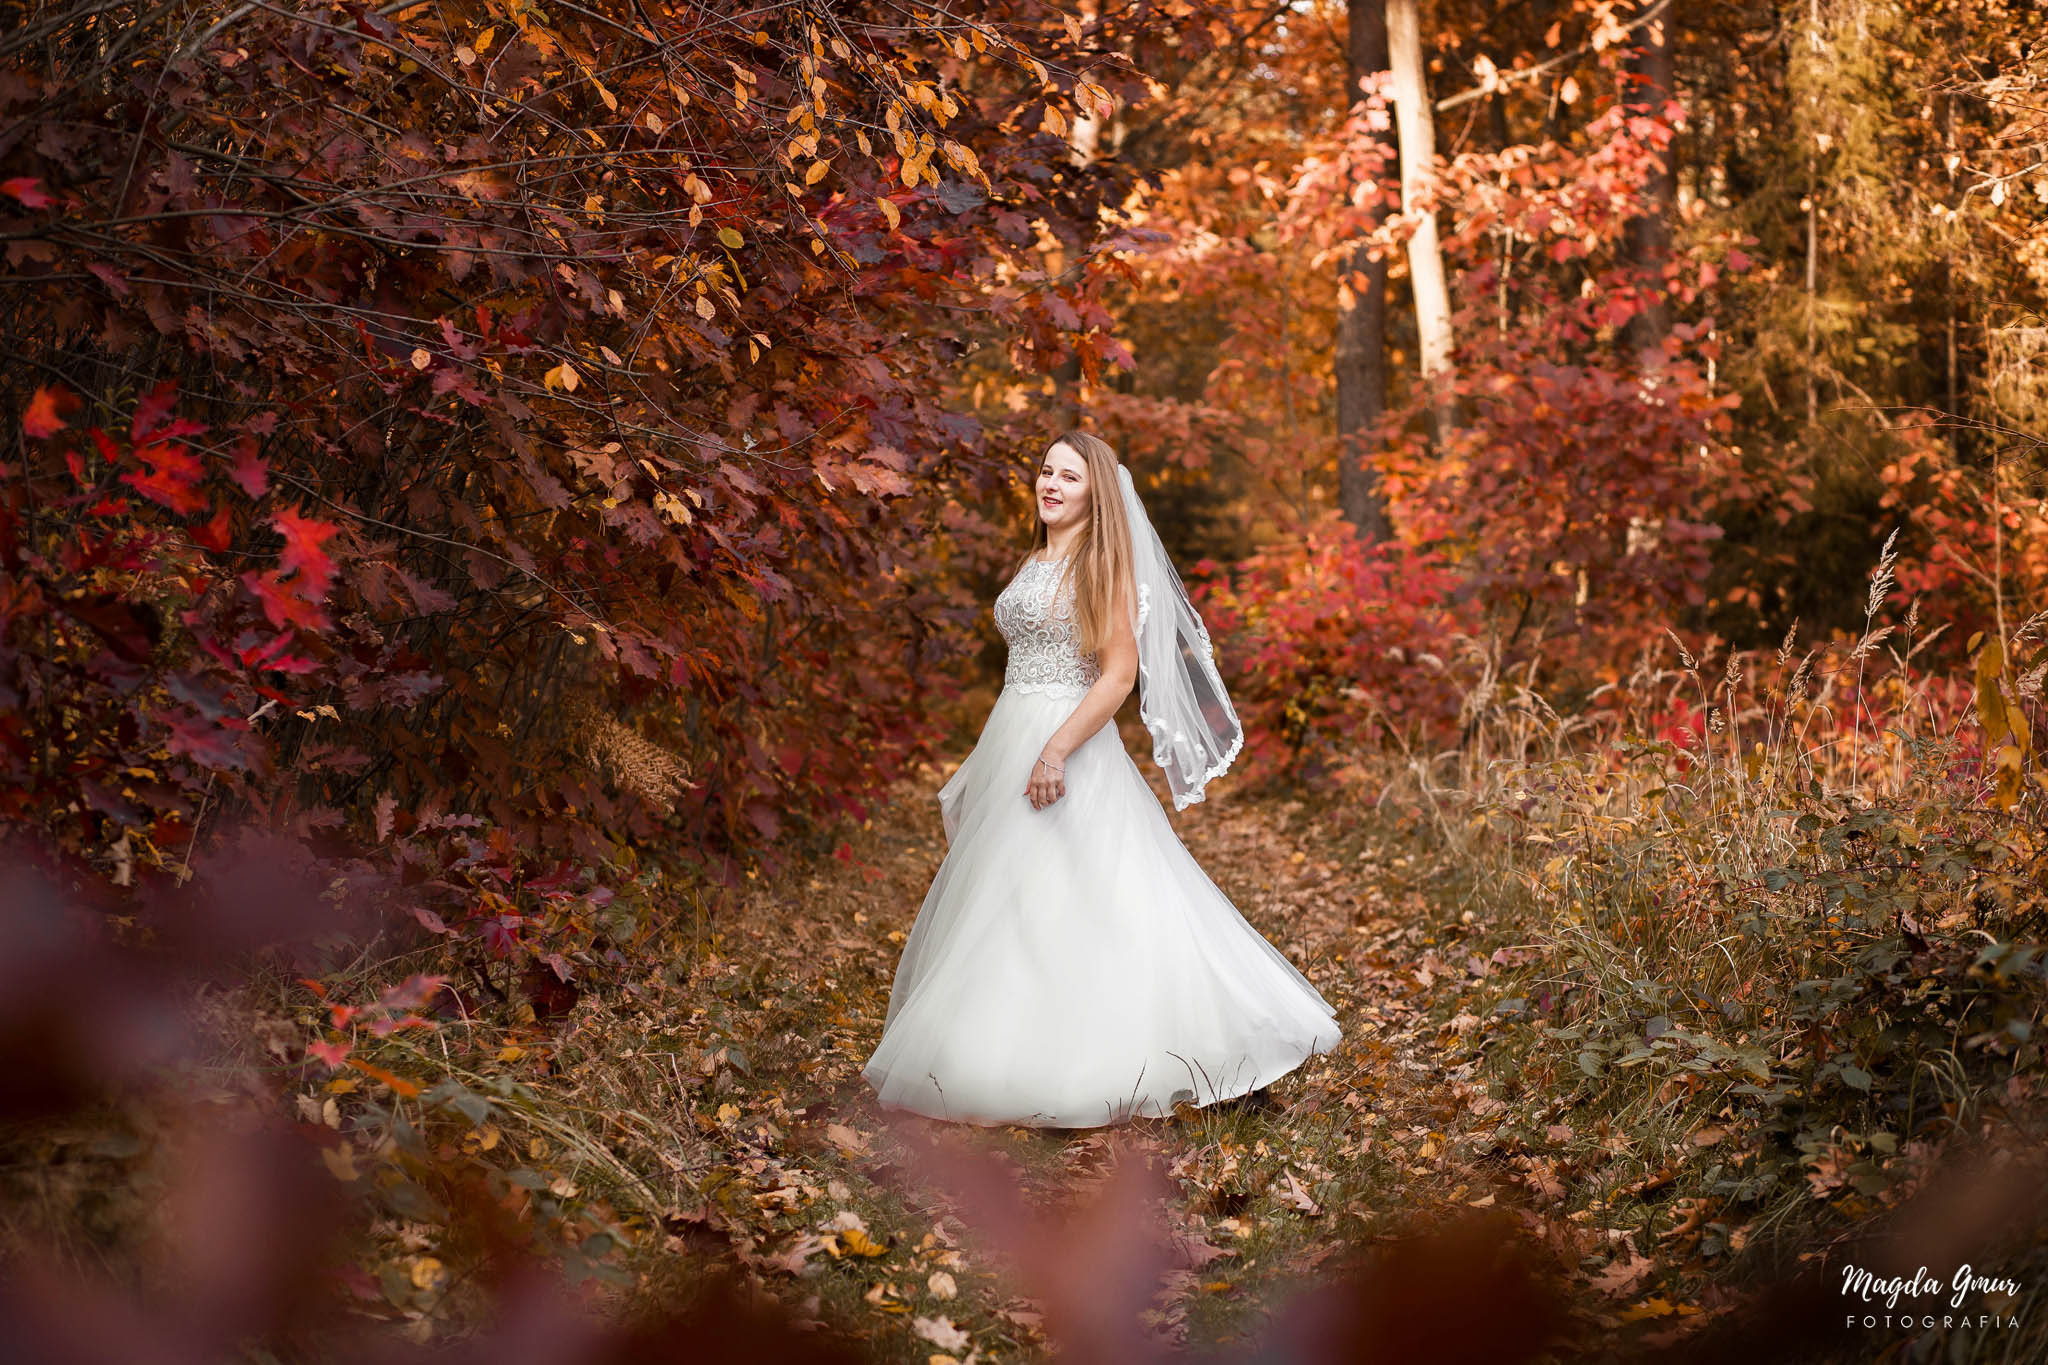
(505, 481)
(419, 406)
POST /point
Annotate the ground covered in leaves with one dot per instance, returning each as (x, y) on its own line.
(701, 1114)
(699, 1110)
(780, 1159)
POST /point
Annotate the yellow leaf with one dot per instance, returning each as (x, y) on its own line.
(2008, 763)
(341, 1161)
(704, 308)
(511, 1052)
(816, 172)
(728, 1113)
(1991, 709)
(731, 237)
(891, 212)
(854, 1242)
(482, 42)
(563, 376)
(611, 101)
(1054, 122)
(428, 1273)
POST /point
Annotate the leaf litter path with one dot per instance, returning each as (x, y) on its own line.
(800, 1173)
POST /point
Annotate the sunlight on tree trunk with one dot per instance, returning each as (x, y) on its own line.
(1418, 157)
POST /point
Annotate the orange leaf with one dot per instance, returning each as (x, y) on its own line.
(399, 1084)
(45, 412)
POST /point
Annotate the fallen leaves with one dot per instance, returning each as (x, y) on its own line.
(941, 1332)
(1295, 1197)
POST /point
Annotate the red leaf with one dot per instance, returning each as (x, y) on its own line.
(44, 417)
(214, 534)
(208, 744)
(171, 478)
(250, 470)
(151, 411)
(412, 992)
(303, 539)
(282, 605)
(29, 191)
(333, 1054)
(501, 934)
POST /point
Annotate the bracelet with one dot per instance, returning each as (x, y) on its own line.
(1061, 772)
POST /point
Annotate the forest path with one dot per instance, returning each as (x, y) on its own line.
(1385, 1133)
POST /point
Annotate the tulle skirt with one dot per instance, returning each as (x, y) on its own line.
(1074, 966)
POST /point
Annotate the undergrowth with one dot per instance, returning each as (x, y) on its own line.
(1750, 975)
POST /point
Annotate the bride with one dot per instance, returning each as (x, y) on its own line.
(1072, 965)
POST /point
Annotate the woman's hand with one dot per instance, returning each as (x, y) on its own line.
(1048, 780)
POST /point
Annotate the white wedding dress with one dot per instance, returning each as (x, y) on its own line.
(1074, 966)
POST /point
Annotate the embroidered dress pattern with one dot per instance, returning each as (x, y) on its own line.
(1035, 614)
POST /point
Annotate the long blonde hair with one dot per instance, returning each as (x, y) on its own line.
(1101, 561)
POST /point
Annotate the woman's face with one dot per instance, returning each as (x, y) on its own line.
(1062, 487)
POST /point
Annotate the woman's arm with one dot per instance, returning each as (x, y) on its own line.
(1119, 660)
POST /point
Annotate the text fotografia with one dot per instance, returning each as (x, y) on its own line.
(1957, 1290)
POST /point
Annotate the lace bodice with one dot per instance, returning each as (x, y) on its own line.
(1035, 614)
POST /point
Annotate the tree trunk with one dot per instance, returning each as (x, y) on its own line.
(1649, 236)
(1418, 169)
(1362, 316)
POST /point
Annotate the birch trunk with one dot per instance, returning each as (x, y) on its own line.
(1413, 120)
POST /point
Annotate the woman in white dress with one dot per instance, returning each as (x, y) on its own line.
(1072, 965)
